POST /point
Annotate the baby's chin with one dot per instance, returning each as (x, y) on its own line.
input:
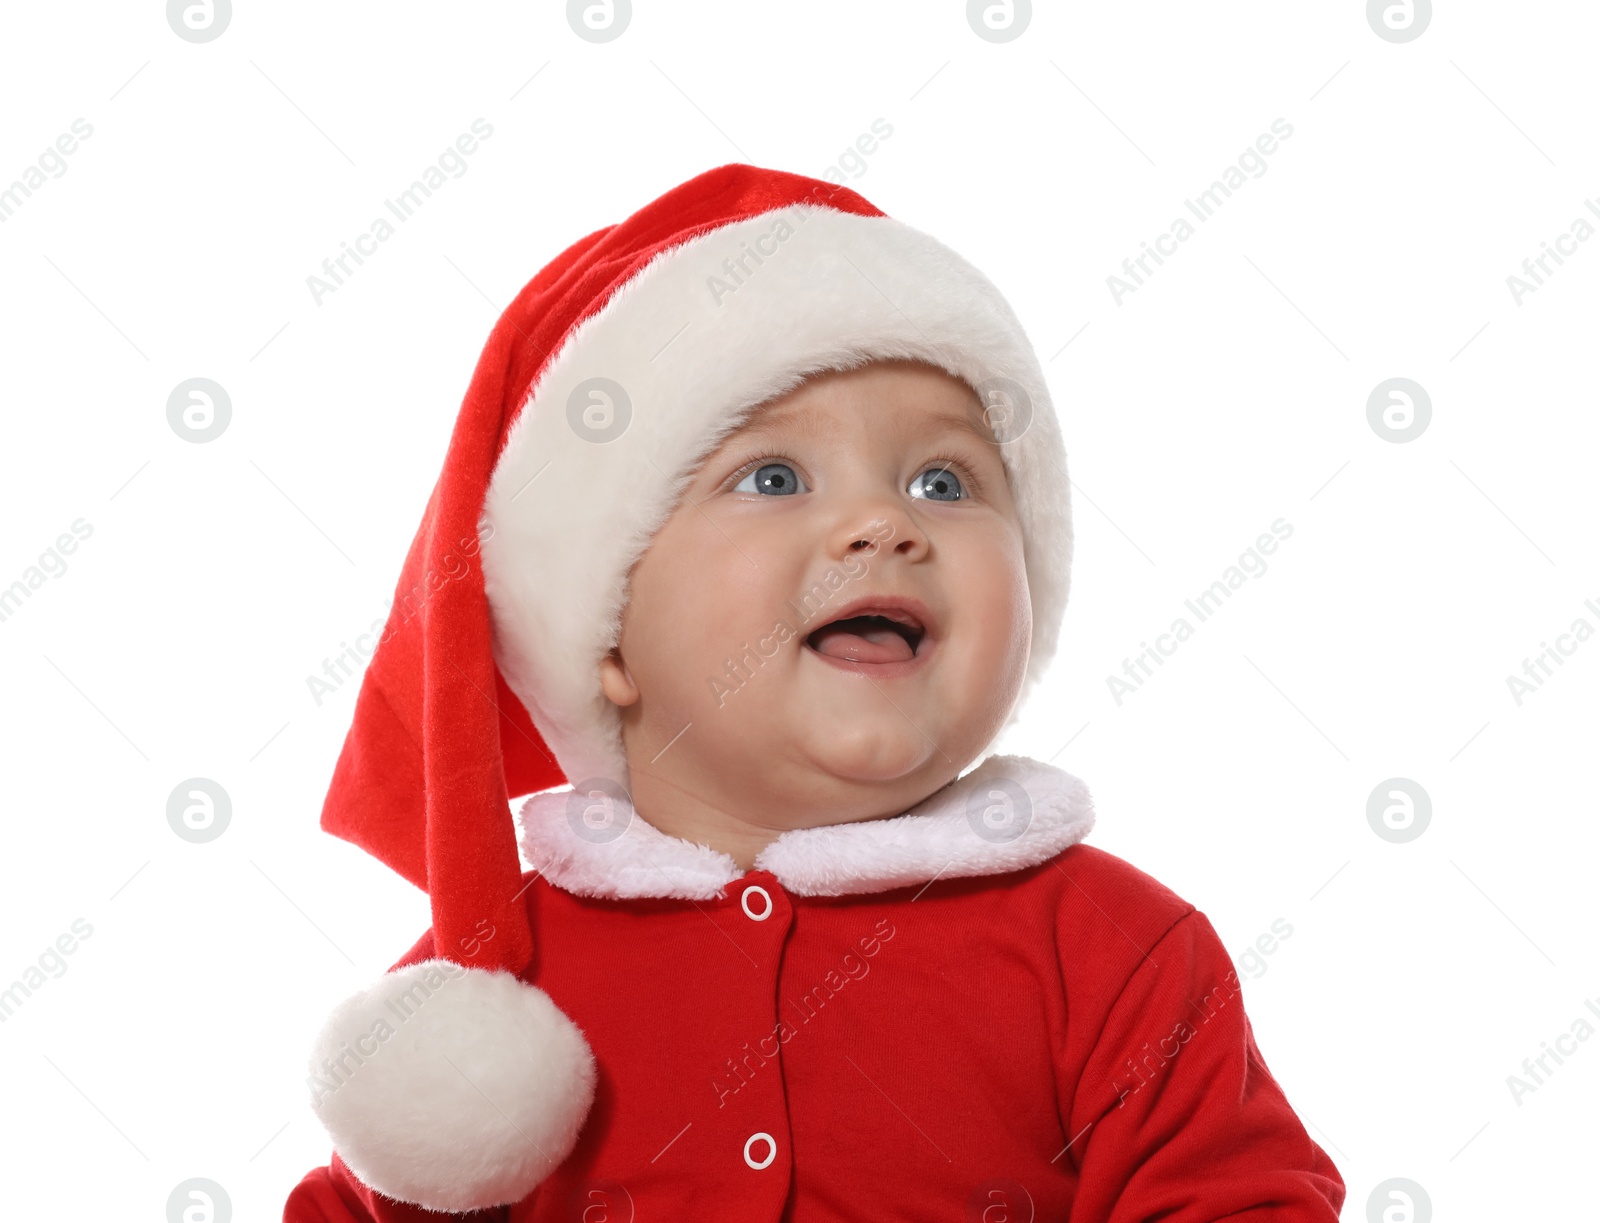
(876, 753)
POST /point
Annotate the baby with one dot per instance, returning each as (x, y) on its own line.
(769, 515)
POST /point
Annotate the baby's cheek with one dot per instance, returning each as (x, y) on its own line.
(1001, 591)
(1000, 610)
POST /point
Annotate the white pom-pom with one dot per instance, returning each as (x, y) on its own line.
(450, 1087)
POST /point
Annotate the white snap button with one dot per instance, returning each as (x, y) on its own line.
(766, 909)
(772, 1150)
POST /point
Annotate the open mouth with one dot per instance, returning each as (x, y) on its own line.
(870, 636)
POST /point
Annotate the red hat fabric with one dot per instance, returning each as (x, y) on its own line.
(641, 343)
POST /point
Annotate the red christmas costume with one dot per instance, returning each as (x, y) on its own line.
(931, 1016)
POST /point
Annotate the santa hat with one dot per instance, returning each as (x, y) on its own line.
(613, 373)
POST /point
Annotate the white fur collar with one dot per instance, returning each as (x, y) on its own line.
(1008, 813)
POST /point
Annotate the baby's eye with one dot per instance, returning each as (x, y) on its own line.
(773, 479)
(937, 484)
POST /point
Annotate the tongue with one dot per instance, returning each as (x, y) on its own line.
(861, 641)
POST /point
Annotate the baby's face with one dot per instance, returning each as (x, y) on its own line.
(742, 689)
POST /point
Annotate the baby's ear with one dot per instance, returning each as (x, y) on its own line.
(616, 681)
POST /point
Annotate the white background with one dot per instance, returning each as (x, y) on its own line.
(1227, 392)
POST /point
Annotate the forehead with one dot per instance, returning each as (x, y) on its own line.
(916, 399)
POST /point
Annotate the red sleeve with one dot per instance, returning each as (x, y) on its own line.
(335, 1194)
(1175, 1115)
